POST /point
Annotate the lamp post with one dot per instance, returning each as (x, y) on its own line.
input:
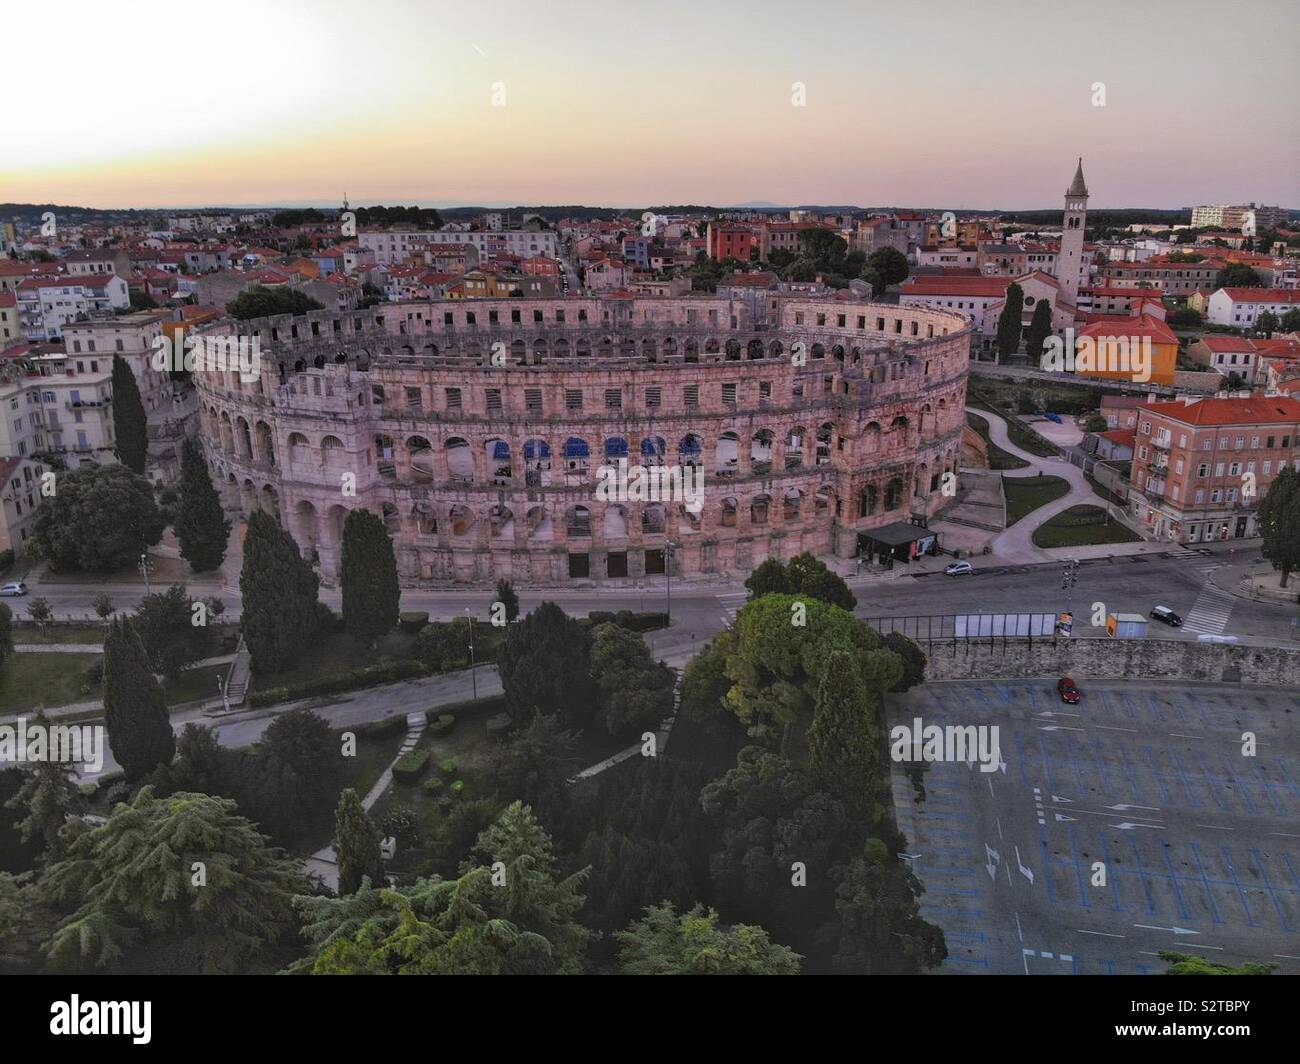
(473, 671)
(144, 569)
(669, 547)
(223, 690)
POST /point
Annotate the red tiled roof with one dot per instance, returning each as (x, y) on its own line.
(1263, 295)
(1134, 326)
(1251, 410)
(1227, 343)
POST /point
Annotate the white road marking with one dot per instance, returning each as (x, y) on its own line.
(1106, 934)
(1175, 929)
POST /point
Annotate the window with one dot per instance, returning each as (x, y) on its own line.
(691, 395)
(533, 400)
(573, 399)
(653, 396)
(728, 395)
(414, 398)
(613, 398)
(453, 398)
(764, 391)
(493, 400)
(1203, 469)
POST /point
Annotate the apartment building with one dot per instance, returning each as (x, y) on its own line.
(48, 304)
(1171, 278)
(94, 343)
(1201, 466)
(20, 498)
(97, 261)
(1243, 306)
(398, 245)
(50, 404)
(11, 330)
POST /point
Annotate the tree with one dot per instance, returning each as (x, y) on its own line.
(1187, 964)
(1237, 275)
(6, 631)
(1291, 320)
(181, 884)
(135, 713)
(890, 265)
(278, 590)
(509, 598)
(358, 845)
(634, 691)
(1008, 336)
(300, 757)
(768, 579)
(1278, 519)
(103, 606)
(369, 577)
(1096, 423)
(534, 767)
(38, 609)
(201, 526)
(165, 624)
(49, 795)
(1267, 323)
(844, 738)
(130, 423)
(262, 302)
(545, 665)
(1040, 328)
(102, 518)
(912, 657)
(809, 575)
(664, 943)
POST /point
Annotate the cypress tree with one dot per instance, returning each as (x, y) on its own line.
(130, 425)
(278, 590)
(201, 525)
(1279, 523)
(1009, 322)
(369, 577)
(358, 844)
(842, 740)
(135, 713)
(1040, 328)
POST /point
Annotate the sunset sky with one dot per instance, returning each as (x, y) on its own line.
(939, 103)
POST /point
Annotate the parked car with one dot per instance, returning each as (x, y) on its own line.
(1164, 613)
(959, 569)
(16, 588)
(1065, 687)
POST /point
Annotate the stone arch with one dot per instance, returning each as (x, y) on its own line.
(540, 526)
(577, 521)
(868, 500)
(497, 454)
(794, 447)
(460, 459)
(299, 448)
(306, 528)
(420, 456)
(894, 493)
(760, 509)
(726, 455)
(461, 520)
(760, 451)
(728, 509)
(537, 463)
(825, 440)
(654, 518)
(616, 447)
(791, 505)
(501, 523)
(614, 522)
(653, 449)
(690, 449)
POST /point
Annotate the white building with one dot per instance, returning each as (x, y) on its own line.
(397, 245)
(46, 305)
(1243, 306)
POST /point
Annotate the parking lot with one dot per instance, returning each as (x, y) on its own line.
(1130, 823)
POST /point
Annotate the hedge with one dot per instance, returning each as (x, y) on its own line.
(369, 676)
(410, 766)
(379, 729)
(489, 705)
(413, 620)
(633, 621)
(444, 724)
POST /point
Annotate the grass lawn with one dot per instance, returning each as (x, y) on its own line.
(1026, 494)
(998, 458)
(30, 680)
(338, 653)
(1082, 526)
(193, 684)
(60, 633)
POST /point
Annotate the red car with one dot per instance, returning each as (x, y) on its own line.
(1065, 687)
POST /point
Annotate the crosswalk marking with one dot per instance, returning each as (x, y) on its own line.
(1209, 615)
(1190, 552)
(731, 603)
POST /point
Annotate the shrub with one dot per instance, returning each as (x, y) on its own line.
(413, 620)
(432, 785)
(457, 787)
(378, 729)
(601, 617)
(6, 560)
(448, 766)
(95, 674)
(443, 724)
(410, 766)
(370, 676)
(472, 707)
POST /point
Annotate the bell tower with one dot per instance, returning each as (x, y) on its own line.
(1069, 263)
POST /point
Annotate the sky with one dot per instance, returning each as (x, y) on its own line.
(936, 103)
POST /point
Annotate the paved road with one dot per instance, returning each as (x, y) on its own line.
(1131, 823)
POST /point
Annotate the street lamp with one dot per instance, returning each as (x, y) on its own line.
(223, 689)
(669, 547)
(473, 672)
(144, 569)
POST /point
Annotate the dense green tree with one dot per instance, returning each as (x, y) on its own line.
(202, 764)
(1008, 334)
(634, 691)
(1040, 328)
(16, 855)
(1096, 423)
(278, 589)
(1267, 324)
(1278, 518)
(509, 598)
(130, 423)
(103, 605)
(844, 737)
(262, 302)
(890, 265)
(518, 917)
(201, 526)
(1291, 321)
(545, 665)
(879, 930)
(1185, 318)
(164, 621)
(809, 575)
(135, 713)
(704, 690)
(912, 657)
(369, 577)
(664, 943)
(173, 885)
(357, 844)
(6, 631)
(768, 579)
(1187, 964)
(444, 645)
(533, 766)
(102, 518)
(1237, 275)
(48, 796)
(296, 771)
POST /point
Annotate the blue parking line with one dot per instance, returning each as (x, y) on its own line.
(1232, 871)
(1243, 788)
(1277, 904)
(1205, 882)
(983, 962)
(1128, 772)
(1281, 764)
(1047, 864)
(1142, 875)
(961, 914)
(925, 869)
(1100, 763)
(1290, 869)
(1113, 873)
(1199, 706)
(1020, 758)
(1074, 761)
(974, 936)
(1177, 702)
(1182, 904)
(1047, 762)
(1128, 705)
(1266, 786)
(1182, 775)
(1157, 774)
(1078, 868)
(1157, 710)
(1214, 783)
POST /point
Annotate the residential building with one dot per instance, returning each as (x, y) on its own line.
(20, 498)
(1243, 306)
